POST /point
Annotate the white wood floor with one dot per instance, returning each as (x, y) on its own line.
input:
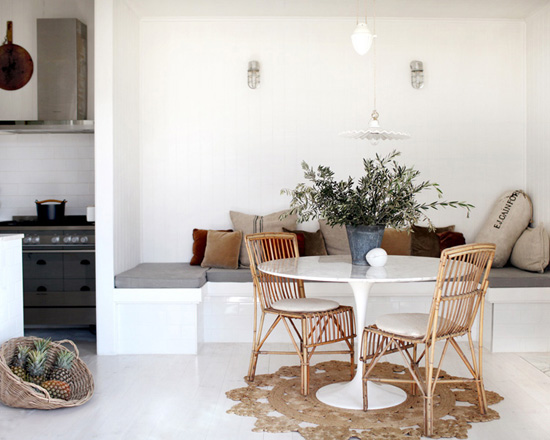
(183, 397)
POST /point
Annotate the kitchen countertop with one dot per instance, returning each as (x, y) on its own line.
(8, 237)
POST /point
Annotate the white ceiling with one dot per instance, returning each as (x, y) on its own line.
(483, 9)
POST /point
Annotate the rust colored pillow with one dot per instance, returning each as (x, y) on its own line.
(199, 245)
(301, 243)
(222, 249)
(425, 243)
(449, 239)
(396, 242)
(314, 243)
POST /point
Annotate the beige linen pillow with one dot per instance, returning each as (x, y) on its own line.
(250, 224)
(509, 217)
(532, 250)
(222, 249)
(336, 239)
(396, 242)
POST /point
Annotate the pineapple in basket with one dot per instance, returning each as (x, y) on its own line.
(36, 366)
(42, 344)
(62, 368)
(19, 362)
(57, 389)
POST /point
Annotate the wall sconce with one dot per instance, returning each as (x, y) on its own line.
(417, 74)
(253, 74)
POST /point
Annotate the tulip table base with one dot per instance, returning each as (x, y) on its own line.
(349, 395)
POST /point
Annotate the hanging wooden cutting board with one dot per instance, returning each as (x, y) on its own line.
(16, 64)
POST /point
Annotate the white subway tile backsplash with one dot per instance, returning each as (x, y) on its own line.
(46, 166)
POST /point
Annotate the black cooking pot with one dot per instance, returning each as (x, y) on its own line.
(50, 210)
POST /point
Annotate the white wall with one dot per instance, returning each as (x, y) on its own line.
(43, 166)
(209, 144)
(104, 165)
(538, 111)
(127, 184)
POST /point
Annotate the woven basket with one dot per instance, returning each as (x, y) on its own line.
(17, 393)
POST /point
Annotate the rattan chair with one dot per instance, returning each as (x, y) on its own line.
(459, 296)
(310, 322)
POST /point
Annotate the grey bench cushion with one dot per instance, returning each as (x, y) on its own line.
(162, 275)
(182, 275)
(242, 275)
(508, 277)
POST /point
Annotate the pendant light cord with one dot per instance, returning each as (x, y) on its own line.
(357, 12)
(374, 56)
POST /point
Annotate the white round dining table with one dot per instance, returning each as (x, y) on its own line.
(336, 268)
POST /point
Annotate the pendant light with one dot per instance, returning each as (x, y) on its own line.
(361, 39)
(374, 133)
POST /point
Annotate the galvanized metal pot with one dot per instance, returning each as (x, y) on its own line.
(362, 239)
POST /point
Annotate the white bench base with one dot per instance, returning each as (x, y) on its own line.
(178, 321)
(517, 320)
(158, 321)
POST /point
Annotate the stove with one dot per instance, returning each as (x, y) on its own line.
(58, 270)
(74, 232)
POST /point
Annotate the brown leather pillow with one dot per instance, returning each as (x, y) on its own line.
(425, 243)
(396, 242)
(449, 239)
(314, 243)
(222, 249)
(199, 245)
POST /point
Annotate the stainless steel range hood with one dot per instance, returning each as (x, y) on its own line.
(67, 126)
(61, 80)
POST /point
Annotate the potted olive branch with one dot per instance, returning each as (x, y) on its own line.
(385, 196)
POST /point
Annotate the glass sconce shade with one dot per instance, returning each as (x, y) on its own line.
(253, 74)
(361, 38)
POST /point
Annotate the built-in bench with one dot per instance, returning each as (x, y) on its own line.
(192, 304)
(177, 275)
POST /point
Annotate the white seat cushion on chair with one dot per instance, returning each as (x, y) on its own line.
(305, 305)
(413, 325)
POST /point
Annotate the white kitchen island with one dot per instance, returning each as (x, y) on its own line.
(11, 287)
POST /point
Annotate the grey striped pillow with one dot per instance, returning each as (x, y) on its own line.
(251, 224)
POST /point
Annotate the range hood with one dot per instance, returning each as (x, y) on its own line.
(66, 126)
(62, 80)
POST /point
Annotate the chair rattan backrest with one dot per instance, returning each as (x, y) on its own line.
(273, 246)
(461, 285)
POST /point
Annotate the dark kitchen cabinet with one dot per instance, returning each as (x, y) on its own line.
(43, 265)
(59, 288)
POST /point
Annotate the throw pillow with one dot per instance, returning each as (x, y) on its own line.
(222, 250)
(510, 216)
(336, 239)
(449, 239)
(425, 243)
(199, 245)
(531, 251)
(396, 242)
(314, 243)
(250, 224)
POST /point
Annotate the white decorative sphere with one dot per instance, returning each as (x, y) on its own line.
(377, 257)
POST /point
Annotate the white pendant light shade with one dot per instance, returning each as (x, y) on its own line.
(361, 38)
(374, 132)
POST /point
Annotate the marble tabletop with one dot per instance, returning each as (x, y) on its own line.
(337, 268)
